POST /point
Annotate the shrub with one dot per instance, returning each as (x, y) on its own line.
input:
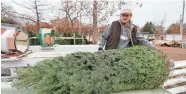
(101, 72)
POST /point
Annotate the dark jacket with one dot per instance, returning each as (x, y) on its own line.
(114, 37)
(111, 37)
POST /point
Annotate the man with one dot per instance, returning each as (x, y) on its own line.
(122, 34)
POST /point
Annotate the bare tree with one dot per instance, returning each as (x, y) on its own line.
(8, 14)
(73, 9)
(34, 6)
(159, 31)
(160, 28)
(5, 10)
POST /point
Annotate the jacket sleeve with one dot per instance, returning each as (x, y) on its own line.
(104, 37)
(142, 40)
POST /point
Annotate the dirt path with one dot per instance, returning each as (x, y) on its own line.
(174, 53)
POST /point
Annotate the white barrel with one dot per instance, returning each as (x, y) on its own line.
(5, 46)
(12, 41)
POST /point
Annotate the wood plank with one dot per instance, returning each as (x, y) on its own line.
(174, 81)
(67, 38)
(10, 59)
(47, 54)
(179, 89)
(8, 78)
(24, 62)
(179, 64)
(6, 85)
(177, 72)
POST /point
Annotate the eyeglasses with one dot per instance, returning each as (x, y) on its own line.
(125, 15)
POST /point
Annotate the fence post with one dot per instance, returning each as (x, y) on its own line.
(74, 39)
(35, 41)
(82, 38)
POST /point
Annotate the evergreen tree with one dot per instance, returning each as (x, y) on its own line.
(102, 72)
(149, 27)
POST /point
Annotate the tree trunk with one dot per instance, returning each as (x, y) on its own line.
(95, 33)
(38, 19)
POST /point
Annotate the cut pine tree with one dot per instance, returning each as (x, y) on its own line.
(102, 72)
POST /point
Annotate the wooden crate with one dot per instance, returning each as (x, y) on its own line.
(176, 83)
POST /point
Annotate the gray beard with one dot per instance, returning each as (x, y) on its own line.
(127, 24)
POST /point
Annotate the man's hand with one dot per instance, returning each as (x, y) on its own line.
(100, 49)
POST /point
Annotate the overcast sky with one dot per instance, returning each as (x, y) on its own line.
(152, 10)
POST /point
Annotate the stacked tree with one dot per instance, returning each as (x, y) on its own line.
(101, 72)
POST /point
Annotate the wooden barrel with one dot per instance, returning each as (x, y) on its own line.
(13, 40)
(47, 37)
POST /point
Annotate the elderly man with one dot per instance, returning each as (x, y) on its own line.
(122, 34)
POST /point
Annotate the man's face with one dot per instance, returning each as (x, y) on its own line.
(126, 17)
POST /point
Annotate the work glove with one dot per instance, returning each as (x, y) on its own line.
(100, 49)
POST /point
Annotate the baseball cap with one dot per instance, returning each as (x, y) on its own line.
(126, 10)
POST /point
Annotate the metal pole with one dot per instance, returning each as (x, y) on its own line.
(180, 24)
(182, 20)
(183, 10)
